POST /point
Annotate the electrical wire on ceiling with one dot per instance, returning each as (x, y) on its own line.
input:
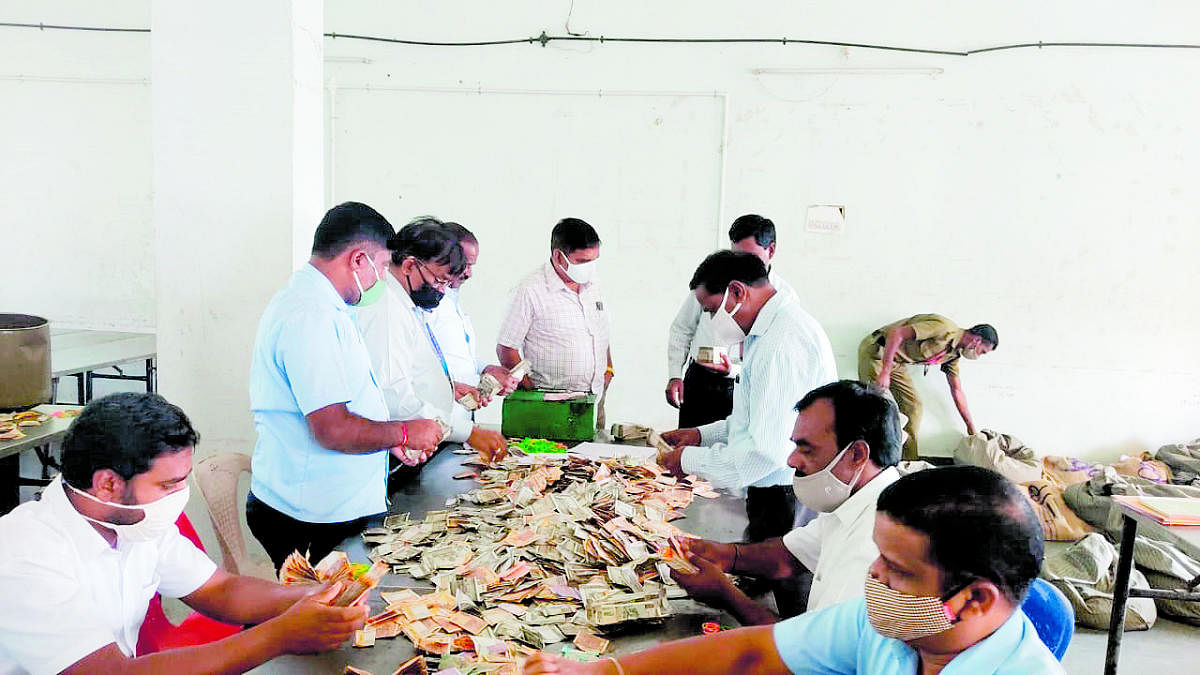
(544, 39)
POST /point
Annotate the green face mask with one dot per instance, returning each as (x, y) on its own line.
(373, 294)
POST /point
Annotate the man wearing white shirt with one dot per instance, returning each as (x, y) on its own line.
(709, 387)
(847, 438)
(453, 328)
(79, 567)
(786, 355)
(406, 356)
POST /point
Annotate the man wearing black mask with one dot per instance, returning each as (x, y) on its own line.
(408, 361)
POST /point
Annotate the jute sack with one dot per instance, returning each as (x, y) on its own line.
(1086, 572)
(1001, 453)
(1068, 471)
(1143, 466)
(1092, 499)
(1168, 568)
(1184, 460)
(1059, 522)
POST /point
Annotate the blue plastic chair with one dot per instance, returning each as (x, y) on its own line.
(1051, 614)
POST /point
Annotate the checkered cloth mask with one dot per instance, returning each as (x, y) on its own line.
(905, 617)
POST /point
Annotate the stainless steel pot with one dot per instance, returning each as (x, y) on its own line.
(24, 361)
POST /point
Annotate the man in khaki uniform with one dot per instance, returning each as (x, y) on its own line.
(927, 340)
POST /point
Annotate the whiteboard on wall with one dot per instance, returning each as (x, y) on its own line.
(644, 170)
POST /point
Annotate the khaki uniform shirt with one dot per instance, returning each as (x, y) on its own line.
(936, 342)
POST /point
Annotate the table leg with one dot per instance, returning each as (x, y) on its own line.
(79, 377)
(150, 376)
(88, 377)
(1116, 625)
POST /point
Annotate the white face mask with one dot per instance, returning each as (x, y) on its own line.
(823, 491)
(580, 273)
(725, 330)
(160, 515)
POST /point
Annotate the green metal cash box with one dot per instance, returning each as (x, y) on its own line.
(528, 413)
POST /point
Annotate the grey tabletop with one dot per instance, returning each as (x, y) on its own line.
(722, 519)
(48, 432)
(77, 350)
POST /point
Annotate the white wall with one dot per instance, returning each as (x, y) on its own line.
(1047, 192)
(75, 179)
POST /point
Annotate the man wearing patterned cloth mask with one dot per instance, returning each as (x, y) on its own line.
(958, 548)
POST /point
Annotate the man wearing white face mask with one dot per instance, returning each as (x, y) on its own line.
(847, 439)
(79, 568)
(959, 547)
(703, 391)
(786, 355)
(557, 319)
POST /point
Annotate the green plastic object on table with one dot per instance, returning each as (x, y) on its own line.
(534, 446)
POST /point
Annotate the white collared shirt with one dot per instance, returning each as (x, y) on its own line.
(456, 334)
(785, 356)
(67, 593)
(839, 546)
(410, 372)
(689, 331)
(563, 334)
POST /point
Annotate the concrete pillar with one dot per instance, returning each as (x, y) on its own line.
(236, 92)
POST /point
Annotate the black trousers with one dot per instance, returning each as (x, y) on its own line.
(280, 534)
(771, 512)
(707, 396)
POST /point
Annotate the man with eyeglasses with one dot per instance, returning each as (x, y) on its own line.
(407, 358)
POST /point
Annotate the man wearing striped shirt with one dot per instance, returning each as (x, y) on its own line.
(703, 392)
(557, 319)
(786, 354)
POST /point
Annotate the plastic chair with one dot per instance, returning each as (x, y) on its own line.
(1051, 614)
(159, 634)
(218, 477)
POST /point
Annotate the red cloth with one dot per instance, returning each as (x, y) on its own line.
(159, 634)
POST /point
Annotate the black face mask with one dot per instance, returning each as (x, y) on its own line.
(425, 296)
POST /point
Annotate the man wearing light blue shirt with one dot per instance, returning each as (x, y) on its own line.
(786, 354)
(958, 548)
(320, 464)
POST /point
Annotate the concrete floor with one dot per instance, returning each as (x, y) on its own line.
(1169, 648)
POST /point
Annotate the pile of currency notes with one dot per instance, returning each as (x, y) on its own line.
(543, 549)
(11, 423)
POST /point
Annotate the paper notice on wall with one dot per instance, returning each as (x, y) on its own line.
(826, 219)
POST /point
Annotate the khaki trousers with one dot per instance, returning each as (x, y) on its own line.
(902, 388)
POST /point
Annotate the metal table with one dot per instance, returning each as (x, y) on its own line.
(1186, 538)
(79, 353)
(722, 519)
(37, 439)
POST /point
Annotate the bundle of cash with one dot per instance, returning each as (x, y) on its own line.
(543, 549)
(489, 386)
(630, 432)
(335, 567)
